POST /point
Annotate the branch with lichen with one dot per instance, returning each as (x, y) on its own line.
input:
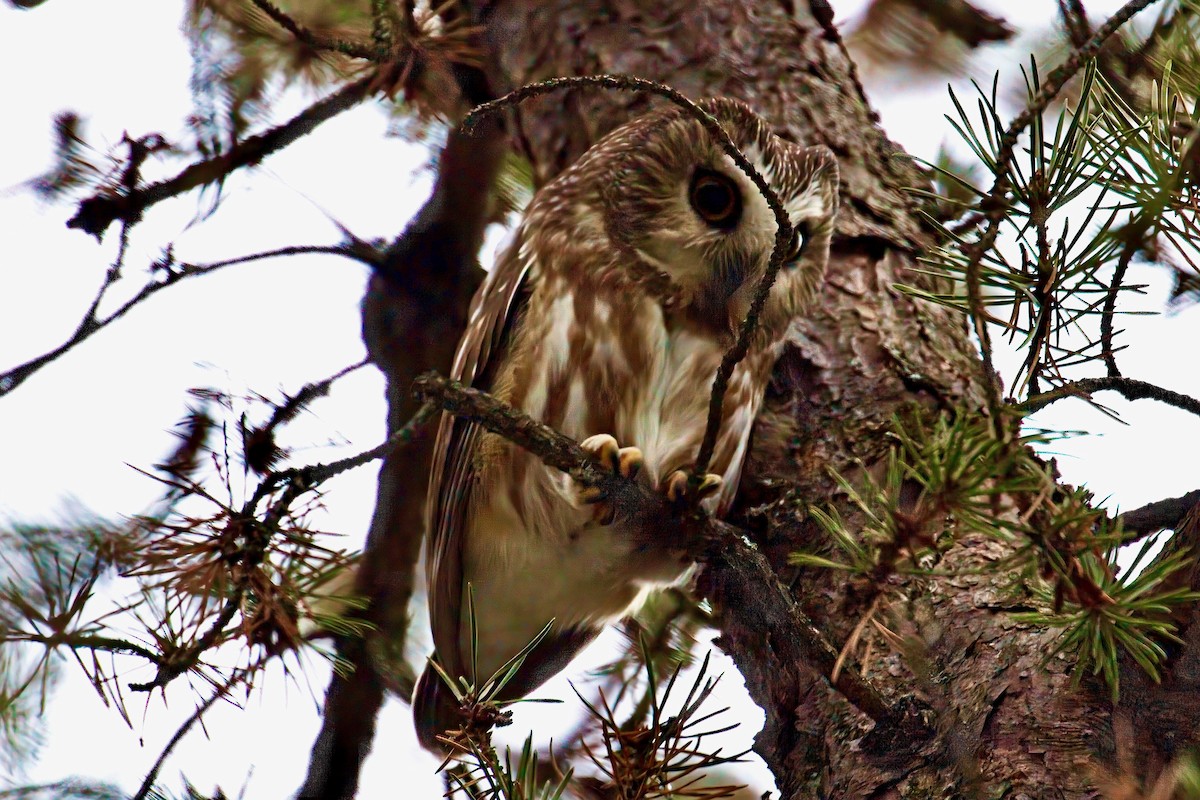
(747, 591)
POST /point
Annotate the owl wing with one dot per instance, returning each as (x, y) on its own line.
(495, 309)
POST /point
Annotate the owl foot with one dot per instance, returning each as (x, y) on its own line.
(624, 461)
(681, 489)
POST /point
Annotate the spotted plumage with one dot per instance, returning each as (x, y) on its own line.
(608, 314)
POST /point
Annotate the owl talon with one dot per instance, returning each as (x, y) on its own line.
(680, 488)
(604, 449)
(590, 495)
(623, 461)
(629, 462)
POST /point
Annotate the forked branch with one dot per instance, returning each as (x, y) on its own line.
(749, 591)
(165, 273)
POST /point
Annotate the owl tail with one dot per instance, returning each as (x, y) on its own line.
(435, 711)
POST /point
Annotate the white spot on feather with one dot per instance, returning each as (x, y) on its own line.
(557, 349)
(562, 317)
(576, 412)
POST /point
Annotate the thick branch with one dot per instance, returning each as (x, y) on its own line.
(414, 313)
(749, 592)
(97, 212)
(1159, 515)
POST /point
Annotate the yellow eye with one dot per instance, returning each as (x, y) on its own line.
(715, 198)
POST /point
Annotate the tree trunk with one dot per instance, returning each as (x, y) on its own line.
(1007, 725)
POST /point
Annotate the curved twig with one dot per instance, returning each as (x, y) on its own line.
(783, 232)
(993, 203)
(1107, 351)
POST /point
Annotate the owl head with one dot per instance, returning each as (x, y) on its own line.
(665, 193)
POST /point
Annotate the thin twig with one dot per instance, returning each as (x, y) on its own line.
(97, 212)
(106, 644)
(304, 478)
(188, 658)
(148, 782)
(1132, 236)
(783, 232)
(89, 324)
(293, 404)
(750, 594)
(1129, 388)
(993, 203)
(1043, 291)
(349, 251)
(315, 40)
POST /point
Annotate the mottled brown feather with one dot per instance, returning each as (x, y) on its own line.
(608, 314)
(494, 313)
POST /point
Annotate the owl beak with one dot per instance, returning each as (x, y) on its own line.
(721, 286)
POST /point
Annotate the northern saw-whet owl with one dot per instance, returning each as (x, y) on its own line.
(606, 318)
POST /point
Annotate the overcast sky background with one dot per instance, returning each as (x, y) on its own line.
(68, 434)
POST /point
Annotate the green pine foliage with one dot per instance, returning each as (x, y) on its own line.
(949, 477)
(227, 556)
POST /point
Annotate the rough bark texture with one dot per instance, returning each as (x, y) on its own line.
(1008, 725)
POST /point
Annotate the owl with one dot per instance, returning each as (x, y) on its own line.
(606, 318)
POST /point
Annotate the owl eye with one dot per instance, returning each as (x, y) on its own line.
(800, 236)
(715, 198)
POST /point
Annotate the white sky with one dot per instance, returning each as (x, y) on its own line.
(71, 430)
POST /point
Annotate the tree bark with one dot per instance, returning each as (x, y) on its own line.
(414, 311)
(1007, 724)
